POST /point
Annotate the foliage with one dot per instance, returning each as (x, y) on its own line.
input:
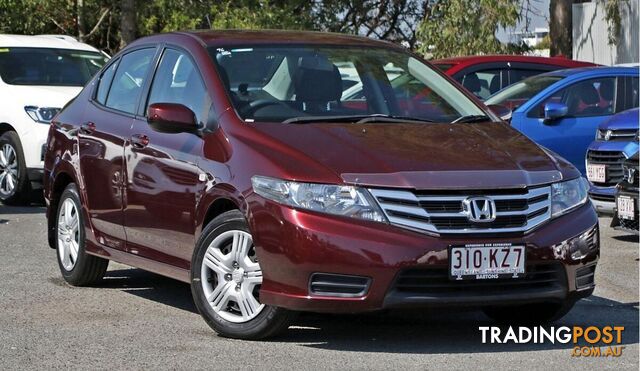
(613, 18)
(466, 27)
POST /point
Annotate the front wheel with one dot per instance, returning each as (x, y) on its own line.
(14, 185)
(226, 279)
(534, 313)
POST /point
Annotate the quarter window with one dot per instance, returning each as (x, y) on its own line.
(177, 81)
(129, 80)
(105, 83)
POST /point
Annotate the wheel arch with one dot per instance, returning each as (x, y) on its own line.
(59, 184)
(4, 127)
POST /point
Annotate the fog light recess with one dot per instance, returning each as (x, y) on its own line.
(338, 285)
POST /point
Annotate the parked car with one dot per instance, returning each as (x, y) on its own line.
(562, 110)
(38, 76)
(280, 197)
(626, 215)
(484, 75)
(616, 140)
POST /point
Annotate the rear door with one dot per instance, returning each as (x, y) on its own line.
(106, 127)
(589, 103)
(164, 181)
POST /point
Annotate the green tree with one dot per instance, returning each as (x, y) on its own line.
(466, 27)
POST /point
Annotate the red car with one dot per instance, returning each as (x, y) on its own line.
(229, 160)
(484, 75)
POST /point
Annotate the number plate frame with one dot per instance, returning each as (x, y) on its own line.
(489, 274)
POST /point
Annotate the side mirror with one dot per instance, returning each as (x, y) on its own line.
(501, 111)
(554, 111)
(171, 118)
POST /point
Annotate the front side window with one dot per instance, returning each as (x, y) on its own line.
(49, 67)
(129, 79)
(594, 97)
(280, 83)
(517, 94)
(178, 81)
(483, 83)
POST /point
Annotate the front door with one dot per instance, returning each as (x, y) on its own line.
(164, 181)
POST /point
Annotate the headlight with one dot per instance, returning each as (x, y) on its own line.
(43, 115)
(325, 198)
(566, 196)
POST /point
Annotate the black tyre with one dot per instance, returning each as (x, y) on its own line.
(14, 183)
(534, 313)
(226, 279)
(77, 267)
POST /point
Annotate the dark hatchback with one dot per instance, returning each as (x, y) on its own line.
(231, 160)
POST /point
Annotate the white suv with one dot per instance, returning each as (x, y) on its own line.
(38, 76)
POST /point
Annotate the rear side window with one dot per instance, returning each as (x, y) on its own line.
(177, 80)
(594, 97)
(105, 83)
(129, 79)
(519, 74)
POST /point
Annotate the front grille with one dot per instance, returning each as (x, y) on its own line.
(619, 135)
(613, 160)
(630, 225)
(329, 284)
(585, 276)
(603, 198)
(435, 281)
(517, 210)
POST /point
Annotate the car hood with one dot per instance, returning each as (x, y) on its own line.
(44, 96)
(422, 156)
(624, 120)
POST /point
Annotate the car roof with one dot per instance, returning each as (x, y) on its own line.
(477, 59)
(44, 41)
(598, 70)
(254, 37)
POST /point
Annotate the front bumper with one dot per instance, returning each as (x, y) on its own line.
(293, 245)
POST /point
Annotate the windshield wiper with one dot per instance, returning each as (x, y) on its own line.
(358, 119)
(471, 118)
(392, 118)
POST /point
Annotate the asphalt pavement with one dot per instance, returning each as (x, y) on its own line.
(139, 320)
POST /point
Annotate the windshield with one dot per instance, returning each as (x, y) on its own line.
(44, 66)
(300, 83)
(517, 94)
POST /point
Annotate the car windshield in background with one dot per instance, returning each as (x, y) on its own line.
(323, 83)
(52, 67)
(517, 94)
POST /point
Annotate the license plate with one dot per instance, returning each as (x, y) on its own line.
(597, 173)
(626, 208)
(486, 261)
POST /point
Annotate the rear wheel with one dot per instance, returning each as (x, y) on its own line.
(534, 313)
(77, 267)
(225, 282)
(14, 184)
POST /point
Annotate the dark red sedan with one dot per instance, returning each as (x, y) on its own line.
(231, 160)
(484, 75)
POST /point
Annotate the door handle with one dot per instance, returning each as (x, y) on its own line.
(139, 140)
(87, 128)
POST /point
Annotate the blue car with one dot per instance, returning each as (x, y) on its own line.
(561, 110)
(616, 141)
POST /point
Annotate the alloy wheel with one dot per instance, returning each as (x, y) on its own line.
(8, 169)
(231, 277)
(68, 234)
